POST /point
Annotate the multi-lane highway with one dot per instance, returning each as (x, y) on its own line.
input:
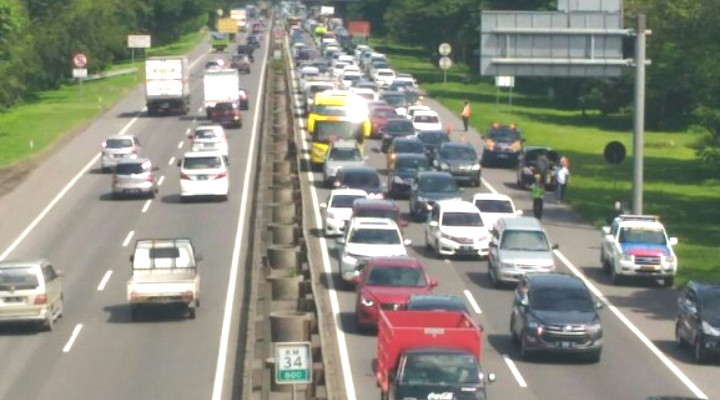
(639, 357)
(63, 211)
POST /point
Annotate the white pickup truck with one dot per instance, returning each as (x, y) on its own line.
(638, 246)
(164, 273)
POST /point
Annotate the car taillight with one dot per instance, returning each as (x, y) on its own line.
(150, 178)
(134, 150)
(40, 299)
(184, 176)
(114, 180)
(539, 330)
(134, 296)
(221, 175)
(187, 296)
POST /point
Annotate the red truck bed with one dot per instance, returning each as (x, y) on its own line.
(399, 331)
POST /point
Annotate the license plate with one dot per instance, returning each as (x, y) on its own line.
(466, 248)
(202, 177)
(647, 268)
(11, 299)
(565, 345)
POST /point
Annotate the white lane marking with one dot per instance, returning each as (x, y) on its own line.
(649, 344)
(172, 161)
(516, 372)
(472, 302)
(146, 206)
(234, 264)
(128, 238)
(75, 333)
(181, 144)
(489, 186)
(187, 131)
(161, 180)
(200, 109)
(332, 293)
(61, 194)
(104, 280)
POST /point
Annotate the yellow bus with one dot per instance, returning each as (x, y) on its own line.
(331, 129)
(336, 106)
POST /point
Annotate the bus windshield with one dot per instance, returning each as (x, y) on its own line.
(337, 130)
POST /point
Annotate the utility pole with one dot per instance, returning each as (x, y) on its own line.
(639, 115)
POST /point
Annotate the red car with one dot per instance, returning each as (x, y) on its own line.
(387, 283)
(379, 116)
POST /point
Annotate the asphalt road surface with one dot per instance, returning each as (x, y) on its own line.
(639, 357)
(63, 211)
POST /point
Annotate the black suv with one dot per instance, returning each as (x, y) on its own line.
(554, 312)
(395, 128)
(429, 187)
(460, 160)
(503, 144)
(698, 319)
(405, 169)
(363, 178)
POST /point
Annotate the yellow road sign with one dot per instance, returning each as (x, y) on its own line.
(227, 25)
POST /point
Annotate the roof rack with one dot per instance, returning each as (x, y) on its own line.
(647, 218)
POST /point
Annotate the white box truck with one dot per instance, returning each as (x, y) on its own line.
(167, 85)
(220, 86)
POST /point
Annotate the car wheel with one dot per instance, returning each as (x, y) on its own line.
(699, 352)
(514, 335)
(604, 262)
(669, 281)
(493, 277)
(679, 341)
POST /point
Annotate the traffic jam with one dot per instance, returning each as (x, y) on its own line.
(384, 164)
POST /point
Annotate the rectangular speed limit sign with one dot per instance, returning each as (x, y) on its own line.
(293, 362)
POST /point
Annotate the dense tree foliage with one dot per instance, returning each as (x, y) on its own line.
(683, 82)
(38, 37)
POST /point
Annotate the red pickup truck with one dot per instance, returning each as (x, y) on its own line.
(429, 355)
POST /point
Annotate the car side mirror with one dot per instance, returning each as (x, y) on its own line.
(555, 246)
(673, 241)
(407, 242)
(605, 230)
(433, 283)
(433, 224)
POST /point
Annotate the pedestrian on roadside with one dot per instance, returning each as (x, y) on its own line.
(465, 114)
(537, 190)
(562, 176)
(543, 165)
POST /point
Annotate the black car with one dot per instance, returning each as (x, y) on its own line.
(555, 312)
(408, 144)
(698, 319)
(403, 173)
(432, 140)
(429, 187)
(246, 50)
(322, 65)
(531, 163)
(395, 128)
(460, 160)
(503, 145)
(253, 40)
(435, 302)
(396, 99)
(363, 178)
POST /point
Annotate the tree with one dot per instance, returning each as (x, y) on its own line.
(14, 51)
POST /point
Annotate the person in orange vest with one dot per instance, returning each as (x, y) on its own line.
(465, 114)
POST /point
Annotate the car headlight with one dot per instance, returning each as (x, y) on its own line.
(506, 265)
(446, 236)
(710, 330)
(670, 259)
(444, 166)
(627, 258)
(366, 302)
(594, 329)
(476, 167)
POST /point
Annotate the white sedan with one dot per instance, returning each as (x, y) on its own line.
(203, 173)
(423, 120)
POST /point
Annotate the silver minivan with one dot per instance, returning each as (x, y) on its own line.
(519, 246)
(30, 291)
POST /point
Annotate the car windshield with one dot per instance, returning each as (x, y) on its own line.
(376, 213)
(504, 133)
(118, 143)
(375, 236)
(458, 153)
(461, 219)
(399, 126)
(710, 302)
(433, 137)
(129, 168)
(554, 298)
(438, 368)
(345, 154)
(344, 200)
(426, 119)
(205, 134)
(409, 146)
(438, 184)
(412, 164)
(383, 113)
(524, 241)
(18, 278)
(640, 235)
(394, 276)
(361, 179)
(322, 109)
(202, 162)
(385, 73)
(337, 130)
(494, 206)
(398, 100)
(351, 77)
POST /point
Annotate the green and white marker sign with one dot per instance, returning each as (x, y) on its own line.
(293, 362)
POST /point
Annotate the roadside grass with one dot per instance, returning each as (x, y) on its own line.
(32, 128)
(685, 193)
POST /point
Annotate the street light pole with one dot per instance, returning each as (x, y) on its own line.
(639, 115)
